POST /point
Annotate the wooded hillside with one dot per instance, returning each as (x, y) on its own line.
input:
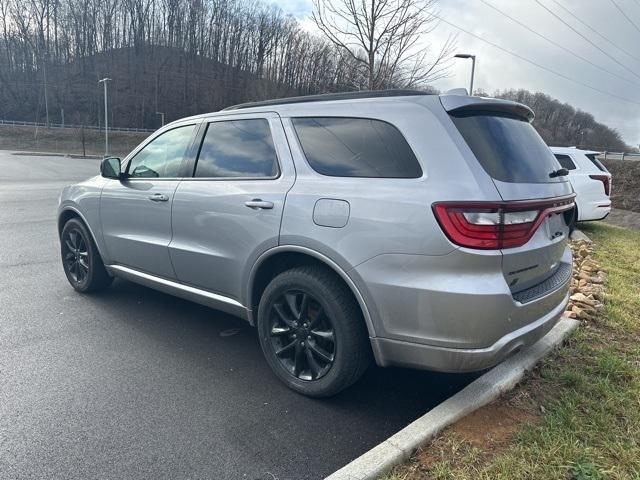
(183, 57)
(562, 125)
(176, 56)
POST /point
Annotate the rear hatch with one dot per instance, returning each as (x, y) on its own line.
(593, 158)
(537, 197)
(602, 175)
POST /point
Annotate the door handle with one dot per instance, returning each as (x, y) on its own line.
(158, 197)
(258, 204)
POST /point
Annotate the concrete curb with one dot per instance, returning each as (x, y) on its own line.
(399, 447)
(53, 154)
(579, 235)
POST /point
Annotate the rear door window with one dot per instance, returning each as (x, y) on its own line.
(356, 147)
(508, 148)
(565, 161)
(237, 149)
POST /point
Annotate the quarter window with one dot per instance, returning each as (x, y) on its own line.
(356, 147)
(237, 148)
(162, 157)
(565, 161)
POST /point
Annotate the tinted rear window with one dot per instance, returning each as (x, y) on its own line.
(356, 147)
(509, 149)
(565, 161)
(596, 162)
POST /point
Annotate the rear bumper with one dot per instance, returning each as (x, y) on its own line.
(414, 355)
(456, 312)
(594, 210)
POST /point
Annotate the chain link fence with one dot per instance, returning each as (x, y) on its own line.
(77, 140)
(62, 125)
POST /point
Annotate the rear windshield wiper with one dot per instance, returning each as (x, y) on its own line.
(561, 172)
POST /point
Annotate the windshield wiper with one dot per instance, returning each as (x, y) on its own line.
(561, 172)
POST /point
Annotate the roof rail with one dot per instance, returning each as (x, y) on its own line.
(325, 97)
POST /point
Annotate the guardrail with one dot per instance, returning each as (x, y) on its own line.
(619, 156)
(21, 123)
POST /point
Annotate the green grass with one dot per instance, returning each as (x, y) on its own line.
(590, 391)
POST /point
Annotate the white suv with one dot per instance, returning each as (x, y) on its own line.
(590, 180)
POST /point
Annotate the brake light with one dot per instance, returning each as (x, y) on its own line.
(496, 225)
(606, 181)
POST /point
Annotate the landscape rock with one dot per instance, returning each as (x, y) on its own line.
(587, 283)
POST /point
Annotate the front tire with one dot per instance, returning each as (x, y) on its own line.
(312, 332)
(80, 259)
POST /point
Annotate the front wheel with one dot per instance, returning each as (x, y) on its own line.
(312, 332)
(80, 259)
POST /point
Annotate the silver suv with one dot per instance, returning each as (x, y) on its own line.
(419, 230)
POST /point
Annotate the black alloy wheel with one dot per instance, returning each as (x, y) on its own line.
(312, 331)
(75, 255)
(81, 260)
(302, 335)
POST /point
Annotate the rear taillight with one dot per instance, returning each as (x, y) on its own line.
(606, 181)
(495, 225)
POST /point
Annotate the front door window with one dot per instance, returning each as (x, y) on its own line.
(162, 157)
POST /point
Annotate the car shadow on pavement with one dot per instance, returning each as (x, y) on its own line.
(162, 315)
(212, 364)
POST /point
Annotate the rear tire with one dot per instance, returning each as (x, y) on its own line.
(574, 220)
(312, 332)
(81, 260)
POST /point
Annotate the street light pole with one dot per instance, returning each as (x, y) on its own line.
(473, 67)
(46, 97)
(106, 117)
(162, 116)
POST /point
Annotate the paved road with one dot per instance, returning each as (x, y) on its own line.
(132, 383)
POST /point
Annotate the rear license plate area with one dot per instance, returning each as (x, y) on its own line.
(556, 225)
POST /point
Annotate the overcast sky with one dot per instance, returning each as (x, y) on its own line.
(496, 69)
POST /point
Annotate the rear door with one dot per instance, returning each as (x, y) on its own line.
(229, 212)
(525, 173)
(599, 176)
(589, 192)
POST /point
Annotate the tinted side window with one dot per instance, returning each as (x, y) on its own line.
(565, 161)
(356, 147)
(162, 157)
(237, 148)
(509, 149)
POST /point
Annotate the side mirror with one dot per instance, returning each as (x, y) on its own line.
(111, 168)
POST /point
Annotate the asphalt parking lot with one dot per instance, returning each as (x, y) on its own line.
(132, 383)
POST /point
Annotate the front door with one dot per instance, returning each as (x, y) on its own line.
(136, 211)
(229, 212)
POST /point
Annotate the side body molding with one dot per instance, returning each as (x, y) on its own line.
(203, 297)
(324, 259)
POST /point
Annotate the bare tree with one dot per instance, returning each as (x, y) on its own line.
(385, 38)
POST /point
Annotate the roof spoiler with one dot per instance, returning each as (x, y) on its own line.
(460, 104)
